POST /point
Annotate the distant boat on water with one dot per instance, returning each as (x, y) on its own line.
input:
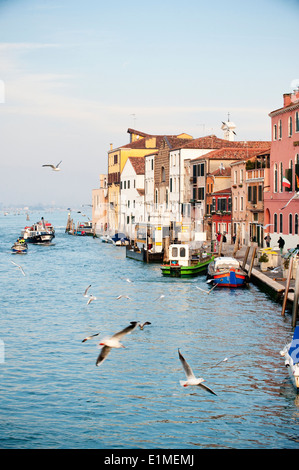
(41, 232)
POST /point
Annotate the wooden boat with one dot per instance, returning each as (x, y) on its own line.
(225, 271)
(291, 354)
(143, 254)
(185, 261)
(20, 246)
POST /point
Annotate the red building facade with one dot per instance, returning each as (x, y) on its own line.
(281, 203)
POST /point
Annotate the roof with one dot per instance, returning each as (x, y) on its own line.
(138, 164)
(222, 172)
(225, 191)
(240, 153)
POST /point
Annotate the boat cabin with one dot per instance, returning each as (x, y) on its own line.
(181, 254)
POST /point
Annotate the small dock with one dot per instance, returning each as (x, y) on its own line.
(281, 289)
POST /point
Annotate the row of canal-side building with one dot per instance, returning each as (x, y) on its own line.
(206, 184)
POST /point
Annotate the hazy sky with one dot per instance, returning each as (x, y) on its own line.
(77, 75)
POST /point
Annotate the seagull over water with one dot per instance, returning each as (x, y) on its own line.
(91, 298)
(20, 267)
(85, 292)
(123, 297)
(160, 297)
(142, 325)
(113, 342)
(54, 168)
(191, 379)
(89, 337)
(207, 291)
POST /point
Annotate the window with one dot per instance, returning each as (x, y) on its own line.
(296, 225)
(182, 252)
(115, 159)
(229, 204)
(260, 192)
(152, 163)
(241, 176)
(275, 178)
(128, 184)
(241, 203)
(279, 129)
(174, 251)
(290, 126)
(236, 203)
(290, 223)
(281, 177)
(235, 177)
(297, 121)
(281, 223)
(201, 194)
(275, 132)
(170, 185)
(125, 184)
(162, 174)
(275, 223)
(213, 208)
(221, 204)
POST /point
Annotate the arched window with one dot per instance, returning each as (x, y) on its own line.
(281, 223)
(290, 126)
(290, 223)
(162, 174)
(275, 178)
(296, 224)
(281, 177)
(275, 223)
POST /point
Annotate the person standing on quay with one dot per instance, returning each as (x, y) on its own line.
(268, 239)
(281, 244)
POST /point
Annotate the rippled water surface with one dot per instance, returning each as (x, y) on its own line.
(54, 396)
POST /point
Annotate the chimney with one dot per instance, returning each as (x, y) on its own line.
(111, 146)
(287, 99)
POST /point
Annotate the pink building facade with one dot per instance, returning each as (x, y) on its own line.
(279, 210)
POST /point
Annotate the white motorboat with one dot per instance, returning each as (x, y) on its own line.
(291, 358)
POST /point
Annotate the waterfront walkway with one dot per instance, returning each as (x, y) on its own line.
(271, 282)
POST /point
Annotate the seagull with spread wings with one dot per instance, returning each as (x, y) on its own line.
(191, 379)
(54, 168)
(20, 267)
(113, 342)
(295, 196)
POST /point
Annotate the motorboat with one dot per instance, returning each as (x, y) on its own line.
(225, 271)
(120, 239)
(41, 232)
(20, 246)
(185, 261)
(291, 358)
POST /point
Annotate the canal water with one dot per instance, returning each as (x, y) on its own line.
(54, 396)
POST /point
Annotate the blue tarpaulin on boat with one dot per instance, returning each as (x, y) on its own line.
(294, 348)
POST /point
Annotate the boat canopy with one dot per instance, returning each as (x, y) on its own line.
(294, 348)
(226, 262)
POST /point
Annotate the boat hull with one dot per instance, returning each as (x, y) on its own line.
(226, 272)
(19, 249)
(173, 270)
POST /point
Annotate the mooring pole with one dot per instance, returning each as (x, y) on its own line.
(252, 261)
(296, 296)
(286, 291)
(245, 257)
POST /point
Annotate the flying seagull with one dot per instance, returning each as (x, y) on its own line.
(20, 267)
(160, 298)
(54, 168)
(295, 196)
(142, 325)
(91, 298)
(113, 342)
(85, 292)
(207, 291)
(191, 379)
(264, 226)
(89, 337)
(123, 296)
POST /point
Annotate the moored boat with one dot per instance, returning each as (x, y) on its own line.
(41, 232)
(185, 261)
(225, 271)
(291, 355)
(20, 246)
